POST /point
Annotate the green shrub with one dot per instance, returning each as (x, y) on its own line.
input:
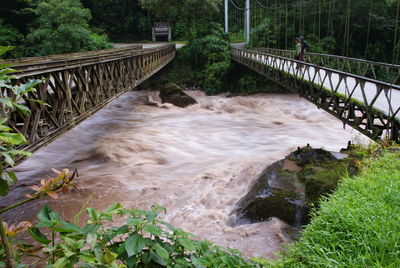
(208, 52)
(10, 36)
(264, 35)
(98, 41)
(358, 225)
(62, 27)
(140, 240)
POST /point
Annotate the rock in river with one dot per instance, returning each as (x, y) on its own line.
(276, 193)
(286, 188)
(172, 93)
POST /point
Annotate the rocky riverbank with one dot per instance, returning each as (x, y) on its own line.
(290, 187)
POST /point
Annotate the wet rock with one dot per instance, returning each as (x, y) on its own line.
(172, 93)
(275, 193)
(310, 156)
(287, 188)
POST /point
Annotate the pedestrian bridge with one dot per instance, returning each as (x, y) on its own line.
(77, 85)
(358, 99)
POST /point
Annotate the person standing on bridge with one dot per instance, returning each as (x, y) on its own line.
(297, 55)
(304, 46)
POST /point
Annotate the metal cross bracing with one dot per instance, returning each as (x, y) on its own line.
(381, 71)
(370, 106)
(77, 85)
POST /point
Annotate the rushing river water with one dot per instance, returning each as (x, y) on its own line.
(198, 161)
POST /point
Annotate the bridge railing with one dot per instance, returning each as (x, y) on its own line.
(76, 86)
(386, 72)
(370, 106)
(70, 56)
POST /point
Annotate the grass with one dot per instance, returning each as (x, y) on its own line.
(359, 224)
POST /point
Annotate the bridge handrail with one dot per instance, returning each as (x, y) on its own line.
(49, 58)
(367, 79)
(377, 70)
(56, 64)
(385, 64)
(368, 105)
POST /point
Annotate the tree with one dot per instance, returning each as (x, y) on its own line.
(190, 11)
(62, 27)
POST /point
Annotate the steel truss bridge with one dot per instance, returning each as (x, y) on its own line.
(77, 85)
(346, 88)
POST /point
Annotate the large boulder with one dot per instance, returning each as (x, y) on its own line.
(172, 93)
(276, 193)
(287, 188)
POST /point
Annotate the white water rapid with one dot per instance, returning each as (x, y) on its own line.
(197, 162)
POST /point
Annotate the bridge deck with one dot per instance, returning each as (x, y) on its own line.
(368, 105)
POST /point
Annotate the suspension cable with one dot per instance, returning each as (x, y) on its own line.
(243, 9)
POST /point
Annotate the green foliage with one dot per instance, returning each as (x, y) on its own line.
(10, 36)
(208, 52)
(187, 11)
(98, 42)
(62, 27)
(264, 35)
(324, 46)
(9, 103)
(120, 19)
(357, 225)
(140, 240)
(180, 31)
(237, 37)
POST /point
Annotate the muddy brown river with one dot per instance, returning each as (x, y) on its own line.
(197, 162)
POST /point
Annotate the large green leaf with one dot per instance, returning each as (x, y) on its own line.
(47, 214)
(12, 138)
(162, 252)
(134, 221)
(61, 263)
(7, 102)
(4, 128)
(7, 158)
(22, 108)
(155, 257)
(38, 236)
(7, 71)
(4, 187)
(155, 230)
(12, 177)
(134, 244)
(3, 120)
(93, 214)
(113, 209)
(66, 227)
(4, 49)
(91, 239)
(187, 243)
(19, 152)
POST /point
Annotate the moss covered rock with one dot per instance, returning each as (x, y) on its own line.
(172, 93)
(287, 188)
(274, 194)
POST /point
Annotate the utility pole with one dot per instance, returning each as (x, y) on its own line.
(226, 16)
(247, 30)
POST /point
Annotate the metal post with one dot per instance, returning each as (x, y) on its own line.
(247, 30)
(226, 16)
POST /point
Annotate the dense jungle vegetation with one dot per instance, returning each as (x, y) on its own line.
(364, 28)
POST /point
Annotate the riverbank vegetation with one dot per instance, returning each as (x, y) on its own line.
(357, 225)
